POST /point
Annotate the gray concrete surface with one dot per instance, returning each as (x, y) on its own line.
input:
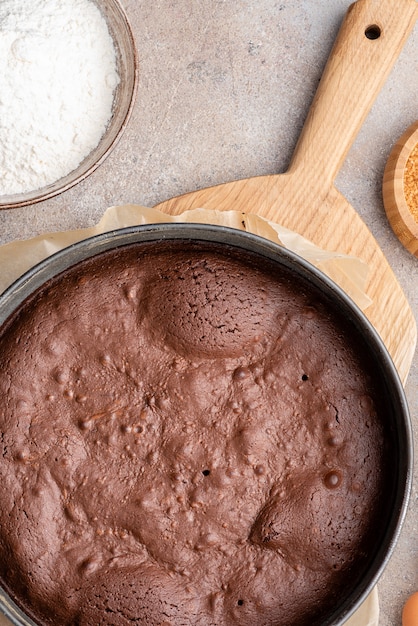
(224, 89)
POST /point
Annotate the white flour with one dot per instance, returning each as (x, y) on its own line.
(57, 80)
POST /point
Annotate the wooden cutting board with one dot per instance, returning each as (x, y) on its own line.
(305, 199)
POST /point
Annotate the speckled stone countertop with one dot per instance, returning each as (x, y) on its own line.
(224, 89)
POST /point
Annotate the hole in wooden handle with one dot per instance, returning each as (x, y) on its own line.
(373, 32)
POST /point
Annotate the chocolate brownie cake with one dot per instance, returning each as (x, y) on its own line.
(187, 438)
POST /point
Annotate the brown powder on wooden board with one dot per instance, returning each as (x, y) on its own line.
(411, 182)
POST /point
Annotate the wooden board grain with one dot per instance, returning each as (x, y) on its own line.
(305, 199)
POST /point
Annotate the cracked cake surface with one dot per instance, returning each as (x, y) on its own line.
(187, 437)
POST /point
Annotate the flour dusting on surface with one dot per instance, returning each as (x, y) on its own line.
(57, 84)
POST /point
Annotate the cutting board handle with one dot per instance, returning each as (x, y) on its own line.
(368, 44)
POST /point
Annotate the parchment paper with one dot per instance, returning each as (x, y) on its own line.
(348, 272)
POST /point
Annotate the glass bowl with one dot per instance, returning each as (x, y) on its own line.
(124, 97)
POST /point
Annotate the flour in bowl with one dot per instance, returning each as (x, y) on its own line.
(57, 84)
